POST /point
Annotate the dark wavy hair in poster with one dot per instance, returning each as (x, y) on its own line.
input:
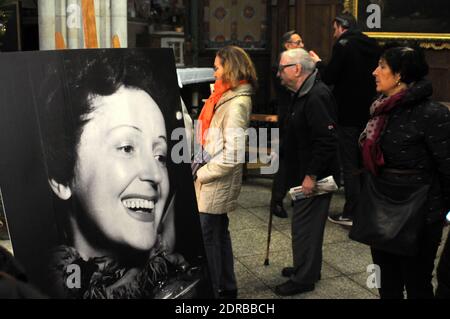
(107, 156)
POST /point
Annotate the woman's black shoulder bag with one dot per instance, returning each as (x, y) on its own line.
(390, 216)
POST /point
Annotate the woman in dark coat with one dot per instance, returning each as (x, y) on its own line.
(406, 141)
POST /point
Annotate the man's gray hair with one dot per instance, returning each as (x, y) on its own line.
(302, 57)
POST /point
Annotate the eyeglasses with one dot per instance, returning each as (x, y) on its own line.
(298, 42)
(281, 67)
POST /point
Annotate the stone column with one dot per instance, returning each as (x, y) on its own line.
(119, 25)
(74, 24)
(61, 19)
(108, 23)
(104, 24)
(98, 21)
(46, 20)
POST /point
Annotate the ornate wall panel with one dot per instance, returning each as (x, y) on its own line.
(242, 23)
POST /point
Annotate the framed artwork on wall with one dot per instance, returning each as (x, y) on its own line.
(425, 22)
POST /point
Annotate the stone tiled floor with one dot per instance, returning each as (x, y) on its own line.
(344, 265)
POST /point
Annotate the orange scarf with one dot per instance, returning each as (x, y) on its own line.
(208, 110)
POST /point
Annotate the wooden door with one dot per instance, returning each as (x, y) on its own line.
(314, 22)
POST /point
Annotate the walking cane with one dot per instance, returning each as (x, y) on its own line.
(266, 261)
(269, 232)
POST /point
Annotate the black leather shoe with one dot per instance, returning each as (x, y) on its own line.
(290, 288)
(228, 294)
(287, 271)
(278, 210)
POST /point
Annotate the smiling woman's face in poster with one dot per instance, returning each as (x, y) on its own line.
(101, 192)
(120, 176)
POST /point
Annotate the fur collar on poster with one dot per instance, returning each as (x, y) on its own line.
(163, 277)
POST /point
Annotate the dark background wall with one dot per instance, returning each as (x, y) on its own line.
(311, 18)
(439, 62)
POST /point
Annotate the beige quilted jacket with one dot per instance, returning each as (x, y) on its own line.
(219, 182)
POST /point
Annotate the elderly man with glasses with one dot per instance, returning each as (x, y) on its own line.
(310, 152)
(290, 40)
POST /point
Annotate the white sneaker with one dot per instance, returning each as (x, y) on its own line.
(340, 220)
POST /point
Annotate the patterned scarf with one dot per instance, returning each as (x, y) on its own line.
(369, 139)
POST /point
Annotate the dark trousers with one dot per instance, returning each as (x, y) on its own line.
(350, 157)
(413, 273)
(443, 272)
(308, 224)
(219, 251)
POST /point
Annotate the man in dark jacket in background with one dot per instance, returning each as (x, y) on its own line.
(310, 151)
(354, 58)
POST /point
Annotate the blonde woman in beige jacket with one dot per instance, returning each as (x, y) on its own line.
(224, 120)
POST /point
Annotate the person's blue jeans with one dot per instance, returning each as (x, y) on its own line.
(219, 251)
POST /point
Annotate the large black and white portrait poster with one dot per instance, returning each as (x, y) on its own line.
(96, 203)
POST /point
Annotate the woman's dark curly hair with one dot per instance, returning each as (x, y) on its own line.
(72, 83)
(409, 62)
